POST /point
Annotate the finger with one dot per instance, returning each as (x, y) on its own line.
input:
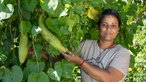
(65, 55)
(70, 53)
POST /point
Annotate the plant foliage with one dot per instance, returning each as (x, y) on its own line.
(71, 21)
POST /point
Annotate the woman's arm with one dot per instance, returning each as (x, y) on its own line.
(111, 74)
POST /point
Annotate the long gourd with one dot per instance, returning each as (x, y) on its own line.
(23, 48)
(49, 37)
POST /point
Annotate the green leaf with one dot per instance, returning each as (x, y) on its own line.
(140, 22)
(64, 12)
(49, 5)
(94, 33)
(71, 21)
(38, 77)
(76, 18)
(29, 5)
(132, 61)
(7, 76)
(26, 15)
(1, 24)
(33, 66)
(94, 3)
(79, 33)
(54, 25)
(35, 30)
(67, 69)
(130, 20)
(33, 77)
(38, 48)
(2, 57)
(64, 30)
(17, 74)
(66, 1)
(76, 1)
(78, 9)
(55, 73)
(6, 11)
(1, 73)
(52, 51)
(25, 27)
(58, 68)
(1, 1)
(69, 80)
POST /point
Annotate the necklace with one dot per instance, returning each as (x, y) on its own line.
(101, 50)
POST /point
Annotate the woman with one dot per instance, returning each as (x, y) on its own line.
(103, 60)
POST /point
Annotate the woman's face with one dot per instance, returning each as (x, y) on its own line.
(109, 28)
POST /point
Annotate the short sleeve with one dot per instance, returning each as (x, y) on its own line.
(121, 61)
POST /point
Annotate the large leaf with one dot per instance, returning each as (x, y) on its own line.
(1, 73)
(14, 75)
(6, 11)
(38, 77)
(78, 9)
(55, 73)
(51, 50)
(26, 15)
(49, 5)
(25, 27)
(64, 12)
(2, 57)
(17, 74)
(54, 25)
(35, 30)
(71, 21)
(28, 5)
(66, 1)
(7, 76)
(33, 66)
(64, 30)
(94, 33)
(76, 1)
(92, 13)
(67, 69)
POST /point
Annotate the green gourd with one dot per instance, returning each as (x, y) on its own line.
(49, 37)
(23, 48)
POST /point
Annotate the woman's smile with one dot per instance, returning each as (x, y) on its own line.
(109, 28)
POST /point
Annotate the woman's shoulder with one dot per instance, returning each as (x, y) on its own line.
(88, 41)
(123, 49)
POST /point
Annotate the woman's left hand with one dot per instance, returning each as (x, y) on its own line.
(72, 57)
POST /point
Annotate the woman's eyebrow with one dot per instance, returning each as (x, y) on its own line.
(115, 23)
(104, 23)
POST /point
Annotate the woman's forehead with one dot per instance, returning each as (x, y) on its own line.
(110, 19)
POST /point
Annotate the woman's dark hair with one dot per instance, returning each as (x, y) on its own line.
(109, 12)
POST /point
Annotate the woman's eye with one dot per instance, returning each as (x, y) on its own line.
(104, 25)
(114, 26)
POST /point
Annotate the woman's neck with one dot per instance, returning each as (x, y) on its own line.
(106, 44)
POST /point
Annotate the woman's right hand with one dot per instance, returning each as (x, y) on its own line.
(72, 57)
